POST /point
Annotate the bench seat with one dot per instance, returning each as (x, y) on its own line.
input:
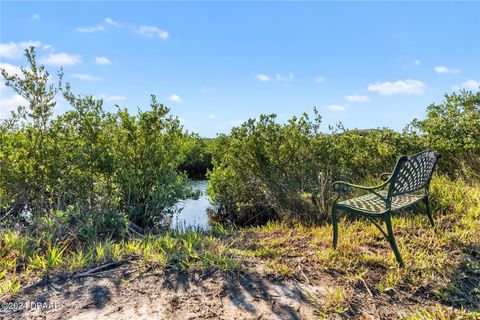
(372, 203)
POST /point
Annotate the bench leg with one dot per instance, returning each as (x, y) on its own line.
(335, 227)
(429, 212)
(391, 240)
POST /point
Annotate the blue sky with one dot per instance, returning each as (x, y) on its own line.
(365, 64)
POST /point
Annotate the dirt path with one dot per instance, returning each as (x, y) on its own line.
(181, 295)
(170, 296)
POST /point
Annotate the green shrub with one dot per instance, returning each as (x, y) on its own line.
(267, 170)
(196, 156)
(87, 171)
(284, 171)
(453, 128)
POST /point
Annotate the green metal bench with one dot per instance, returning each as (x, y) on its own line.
(404, 187)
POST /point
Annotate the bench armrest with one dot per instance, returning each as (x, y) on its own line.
(342, 186)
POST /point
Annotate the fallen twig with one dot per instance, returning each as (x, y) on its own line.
(98, 269)
(303, 274)
(133, 227)
(366, 286)
(136, 233)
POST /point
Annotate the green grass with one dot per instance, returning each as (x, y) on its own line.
(441, 264)
(189, 250)
(438, 312)
(337, 301)
(279, 268)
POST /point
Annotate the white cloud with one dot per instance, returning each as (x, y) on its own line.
(336, 108)
(175, 98)
(282, 78)
(36, 17)
(151, 31)
(96, 28)
(469, 84)
(410, 87)
(46, 47)
(262, 77)
(61, 59)
(114, 98)
(10, 68)
(358, 98)
(15, 50)
(108, 98)
(212, 116)
(9, 104)
(102, 60)
(320, 79)
(99, 27)
(111, 22)
(445, 70)
(417, 62)
(85, 77)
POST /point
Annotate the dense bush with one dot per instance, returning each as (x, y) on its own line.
(86, 171)
(197, 157)
(271, 170)
(283, 171)
(453, 128)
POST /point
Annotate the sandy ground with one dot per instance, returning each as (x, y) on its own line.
(120, 294)
(134, 290)
(169, 296)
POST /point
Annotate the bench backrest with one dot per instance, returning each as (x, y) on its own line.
(412, 173)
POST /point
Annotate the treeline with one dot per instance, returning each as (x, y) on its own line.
(91, 173)
(196, 156)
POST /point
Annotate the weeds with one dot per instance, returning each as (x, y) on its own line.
(52, 259)
(280, 269)
(438, 312)
(337, 301)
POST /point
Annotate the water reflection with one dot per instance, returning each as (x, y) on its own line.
(194, 212)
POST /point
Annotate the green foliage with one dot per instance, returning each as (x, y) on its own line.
(197, 157)
(147, 152)
(24, 154)
(266, 170)
(453, 128)
(52, 259)
(86, 172)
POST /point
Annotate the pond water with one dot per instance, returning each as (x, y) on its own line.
(194, 213)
